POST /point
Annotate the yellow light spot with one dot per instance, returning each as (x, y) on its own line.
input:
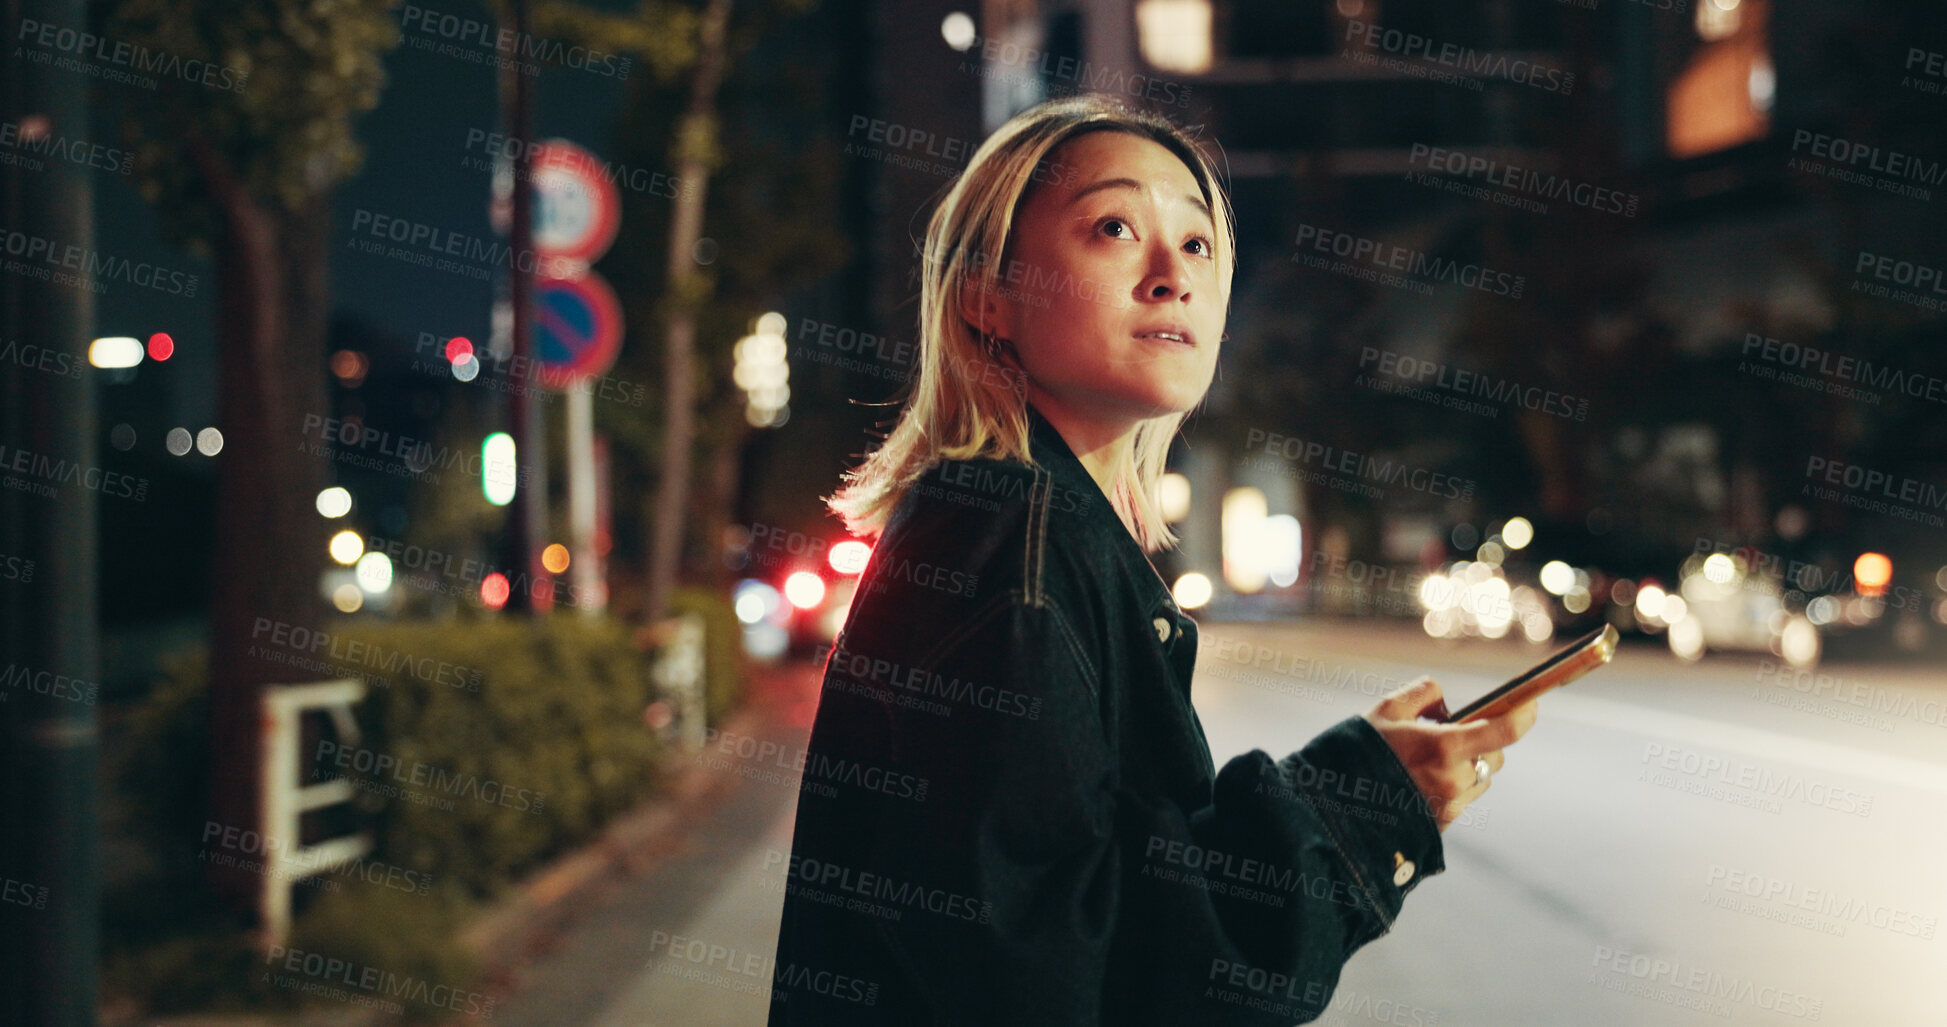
(347, 547)
(1192, 590)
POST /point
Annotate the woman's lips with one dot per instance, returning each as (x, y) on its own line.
(1170, 333)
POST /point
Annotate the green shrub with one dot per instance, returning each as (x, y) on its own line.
(493, 781)
(161, 767)
(526, 742)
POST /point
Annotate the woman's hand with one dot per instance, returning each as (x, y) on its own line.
(1441, 756)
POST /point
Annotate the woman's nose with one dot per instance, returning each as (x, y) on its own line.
(1167, 279)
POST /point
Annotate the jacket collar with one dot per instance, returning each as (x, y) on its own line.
(1106, 532)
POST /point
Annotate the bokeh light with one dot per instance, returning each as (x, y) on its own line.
(1244, 542)
(498, 468)
(349, 366)
(347, 547)
(374, 573)
(756, 601)
(335, 501)
(849, 556)
(958, 30)
(1719, 569)
(1687, 639)
(804, 589)
(1192, 591)
(1173, 497)
(347, 598)
(1871, 572)
(115, 351)
(1799, 643)
(1557, 577)
(494, 590)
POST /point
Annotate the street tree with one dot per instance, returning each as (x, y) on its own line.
(241, 166)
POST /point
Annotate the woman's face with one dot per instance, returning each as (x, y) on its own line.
(1111, 290)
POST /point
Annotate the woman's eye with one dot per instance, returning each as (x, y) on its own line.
(1115, 228)
(1199, 246)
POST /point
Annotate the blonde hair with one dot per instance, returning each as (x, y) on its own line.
(956, 413)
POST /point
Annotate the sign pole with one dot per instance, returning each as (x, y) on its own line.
(584, 566)
(578, 323)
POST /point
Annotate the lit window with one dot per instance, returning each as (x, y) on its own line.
(1175, 34)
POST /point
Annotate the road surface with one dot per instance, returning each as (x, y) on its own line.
(1673, 844)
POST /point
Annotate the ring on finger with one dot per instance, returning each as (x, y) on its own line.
(1481, 770)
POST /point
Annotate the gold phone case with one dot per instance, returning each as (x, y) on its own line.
(1584, 655)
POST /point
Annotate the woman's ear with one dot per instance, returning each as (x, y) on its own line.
(984, 309)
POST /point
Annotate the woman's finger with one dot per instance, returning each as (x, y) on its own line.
(1496, 732)
(1409, 701)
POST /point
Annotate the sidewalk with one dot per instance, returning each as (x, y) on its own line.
(684, 935)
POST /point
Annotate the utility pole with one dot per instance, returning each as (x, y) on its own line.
(527, 517)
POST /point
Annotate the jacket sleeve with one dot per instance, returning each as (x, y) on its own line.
(1097, 904)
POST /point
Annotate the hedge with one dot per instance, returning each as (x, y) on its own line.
(489, 745)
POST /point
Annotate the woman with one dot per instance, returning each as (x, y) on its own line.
(1010, 814)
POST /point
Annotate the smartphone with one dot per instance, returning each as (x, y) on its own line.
(1582, 656)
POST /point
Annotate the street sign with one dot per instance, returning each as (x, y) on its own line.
(577, 329)
(577, 209)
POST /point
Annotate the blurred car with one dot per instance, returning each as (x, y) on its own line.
(798, 609)
(1722, 602)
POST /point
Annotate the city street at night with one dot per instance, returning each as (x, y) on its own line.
(695, 513)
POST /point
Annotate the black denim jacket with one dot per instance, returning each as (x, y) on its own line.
(1010, 815)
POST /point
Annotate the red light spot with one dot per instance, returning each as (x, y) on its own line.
(494, 590)
(350, 367)
(458, 348)
(161, 346)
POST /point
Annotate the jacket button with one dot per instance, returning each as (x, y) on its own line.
(1402, 870)
(1162, 626)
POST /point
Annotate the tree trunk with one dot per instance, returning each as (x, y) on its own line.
(695, 142)
(269, 543)
(719, 497)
